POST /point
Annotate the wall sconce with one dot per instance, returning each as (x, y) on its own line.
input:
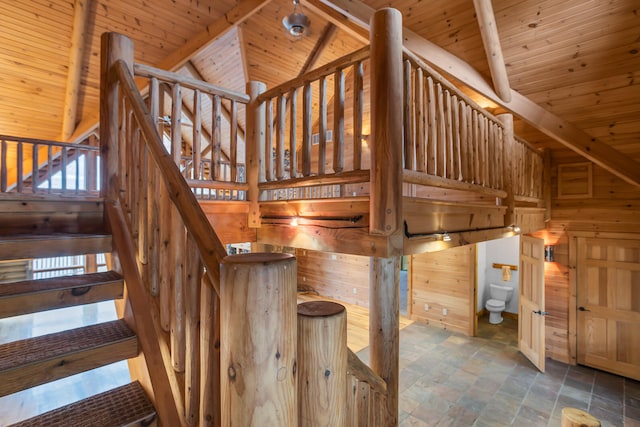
(548, 253)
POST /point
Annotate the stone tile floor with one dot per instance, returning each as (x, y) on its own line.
(448, 379)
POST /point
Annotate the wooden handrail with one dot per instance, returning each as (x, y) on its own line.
(364, 373)
(142, 70)
(47, 142)
(312, 75)
(211, 249)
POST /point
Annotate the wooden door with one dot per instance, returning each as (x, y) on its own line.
(608, 298)
(531, 301)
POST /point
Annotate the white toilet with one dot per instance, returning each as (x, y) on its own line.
(500, 296)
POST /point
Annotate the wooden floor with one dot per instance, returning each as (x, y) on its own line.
(357, 321)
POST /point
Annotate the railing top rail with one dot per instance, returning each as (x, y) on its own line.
(317, 73)
(47, 142)
(527, 144)
(412, 57)
(142, 70)
(211, 249)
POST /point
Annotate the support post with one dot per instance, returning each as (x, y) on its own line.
(508, 168)
(384, 331)
(386, 122)
(114, 47)
(546, 184)
(255, 143)
(258, 340)
(322, 364)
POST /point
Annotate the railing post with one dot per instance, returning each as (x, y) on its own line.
(114, 47)
(386, 122)
(255, 148)
(322, 364)
(508, 168)
(258, 340)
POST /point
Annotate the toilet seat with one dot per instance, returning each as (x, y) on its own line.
(495, 305)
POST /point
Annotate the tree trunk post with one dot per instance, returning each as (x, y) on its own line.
(386, 122)
(322, 364)
(258, 339)
(508, 168)
(255, 136)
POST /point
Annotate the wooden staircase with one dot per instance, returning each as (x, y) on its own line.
(33, 361)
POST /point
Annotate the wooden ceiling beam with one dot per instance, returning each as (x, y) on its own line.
(81, 9)
(492, 48)
(605, 156)
(243, 11)
(325, 38)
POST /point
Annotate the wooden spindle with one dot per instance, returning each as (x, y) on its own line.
(49, 166)
(153, 203)
(3, 166)
(75, 161)
(281, 105)
(322, 364)
(322, 125)
(441, 160)
(256, 125)
(338, 122)
(143, 206)
(233, 142)
(216, 139)
(432, 146)
(192, 333)
(19, 168)
(165, 255)
(293, 157)
(268, 145)
(358, 105)
(475, 140)
(258, 318)
(197, 134)
(307, 117)
(421, 136)
(178, 294)
(448, 119)
(464, 143)
(35, 167)
(456, 138)
(209, 356)
(409, 117)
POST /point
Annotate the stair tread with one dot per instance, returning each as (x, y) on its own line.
(121, 406)
(57, 283)
(32, 350)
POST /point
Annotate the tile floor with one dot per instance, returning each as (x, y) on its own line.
(448, 379)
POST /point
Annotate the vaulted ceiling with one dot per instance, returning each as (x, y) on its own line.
(573, 66)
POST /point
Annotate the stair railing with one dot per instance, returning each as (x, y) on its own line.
(528, 171)
(27, 166)
(167, 247)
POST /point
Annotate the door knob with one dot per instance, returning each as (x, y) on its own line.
(583, 309)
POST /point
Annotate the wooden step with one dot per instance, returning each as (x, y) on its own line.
(34, 361)
(31, 296)
(53, 245)
(127, 405)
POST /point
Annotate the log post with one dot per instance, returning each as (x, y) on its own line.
(114, 47)
(508, 168)
(386, 122)
(384, 331)
(255, 149)
(572, 417)
(258, 340)
(322, 364)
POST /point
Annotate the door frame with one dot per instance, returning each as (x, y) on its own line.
(573, 281)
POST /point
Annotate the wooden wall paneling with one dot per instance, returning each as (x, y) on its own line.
(445, 280)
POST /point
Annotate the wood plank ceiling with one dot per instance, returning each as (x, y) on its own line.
(579, 60)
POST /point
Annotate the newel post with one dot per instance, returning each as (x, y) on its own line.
(508, 168)
(322, 364)
(255, 148)
(114, 47)
(386, 122)
(258, 333)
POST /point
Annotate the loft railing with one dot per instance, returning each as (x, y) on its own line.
(34, 166)
(528, 167)
(316, 129)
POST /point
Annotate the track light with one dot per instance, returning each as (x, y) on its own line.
(297, 24)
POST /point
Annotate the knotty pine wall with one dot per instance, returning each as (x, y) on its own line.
(339, 276)
(445, 280)
(613, 206)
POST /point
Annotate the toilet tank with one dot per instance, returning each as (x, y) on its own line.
(500, 292)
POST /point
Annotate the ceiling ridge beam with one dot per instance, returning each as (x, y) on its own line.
(491, 41)
(81, 9)
(569, 135)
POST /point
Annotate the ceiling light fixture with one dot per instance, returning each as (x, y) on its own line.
(296, 23)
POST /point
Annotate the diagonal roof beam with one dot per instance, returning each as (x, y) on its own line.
(243, 11)
(610, 159)
(325, 38)
(491, 40)
(79, 39)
